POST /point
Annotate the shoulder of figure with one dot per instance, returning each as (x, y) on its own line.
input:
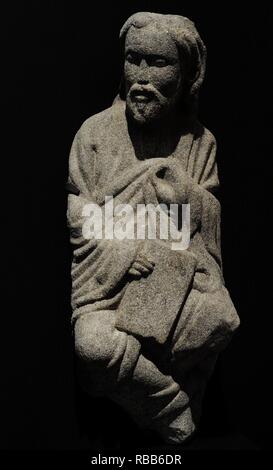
(94, 123)
(100, 123)
(205, 136)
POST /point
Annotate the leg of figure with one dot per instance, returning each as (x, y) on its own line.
(105, 355)
(111, 363)
(156, 401)
(199, 337)
(194, 381)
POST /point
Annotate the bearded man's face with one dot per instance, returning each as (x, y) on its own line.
(153, 78)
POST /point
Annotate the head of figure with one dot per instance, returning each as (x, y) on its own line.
(164, 66)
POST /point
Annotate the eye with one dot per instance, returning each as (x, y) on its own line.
(132, 58)
(158, 62)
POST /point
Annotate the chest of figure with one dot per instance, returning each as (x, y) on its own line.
(118, 149)
(112, 158)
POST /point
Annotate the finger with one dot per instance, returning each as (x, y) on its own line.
(141, 267)
(135, 265)
(134, 272)
(145, 262)
(145, 258)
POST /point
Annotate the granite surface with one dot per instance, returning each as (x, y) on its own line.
(149, 321)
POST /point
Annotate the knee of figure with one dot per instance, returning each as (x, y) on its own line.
(94, 342)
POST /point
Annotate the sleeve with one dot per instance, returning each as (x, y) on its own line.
(82, 161)
(209, 177)
(81, 181)
(202, 165)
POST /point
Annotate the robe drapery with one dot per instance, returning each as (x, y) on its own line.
(185, 304)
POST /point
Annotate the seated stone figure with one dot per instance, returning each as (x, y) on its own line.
(149, 321)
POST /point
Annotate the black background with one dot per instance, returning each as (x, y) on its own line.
(64, 64)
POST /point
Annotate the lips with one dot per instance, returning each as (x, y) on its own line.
(141, 96)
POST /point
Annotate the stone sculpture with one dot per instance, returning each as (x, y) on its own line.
(149, 320)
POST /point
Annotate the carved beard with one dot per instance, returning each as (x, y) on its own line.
(145, 104)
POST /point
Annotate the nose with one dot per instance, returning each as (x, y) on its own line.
(143, 81)
(143, 78)
(143, 64)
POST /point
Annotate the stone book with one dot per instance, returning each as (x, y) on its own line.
(150, 305)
